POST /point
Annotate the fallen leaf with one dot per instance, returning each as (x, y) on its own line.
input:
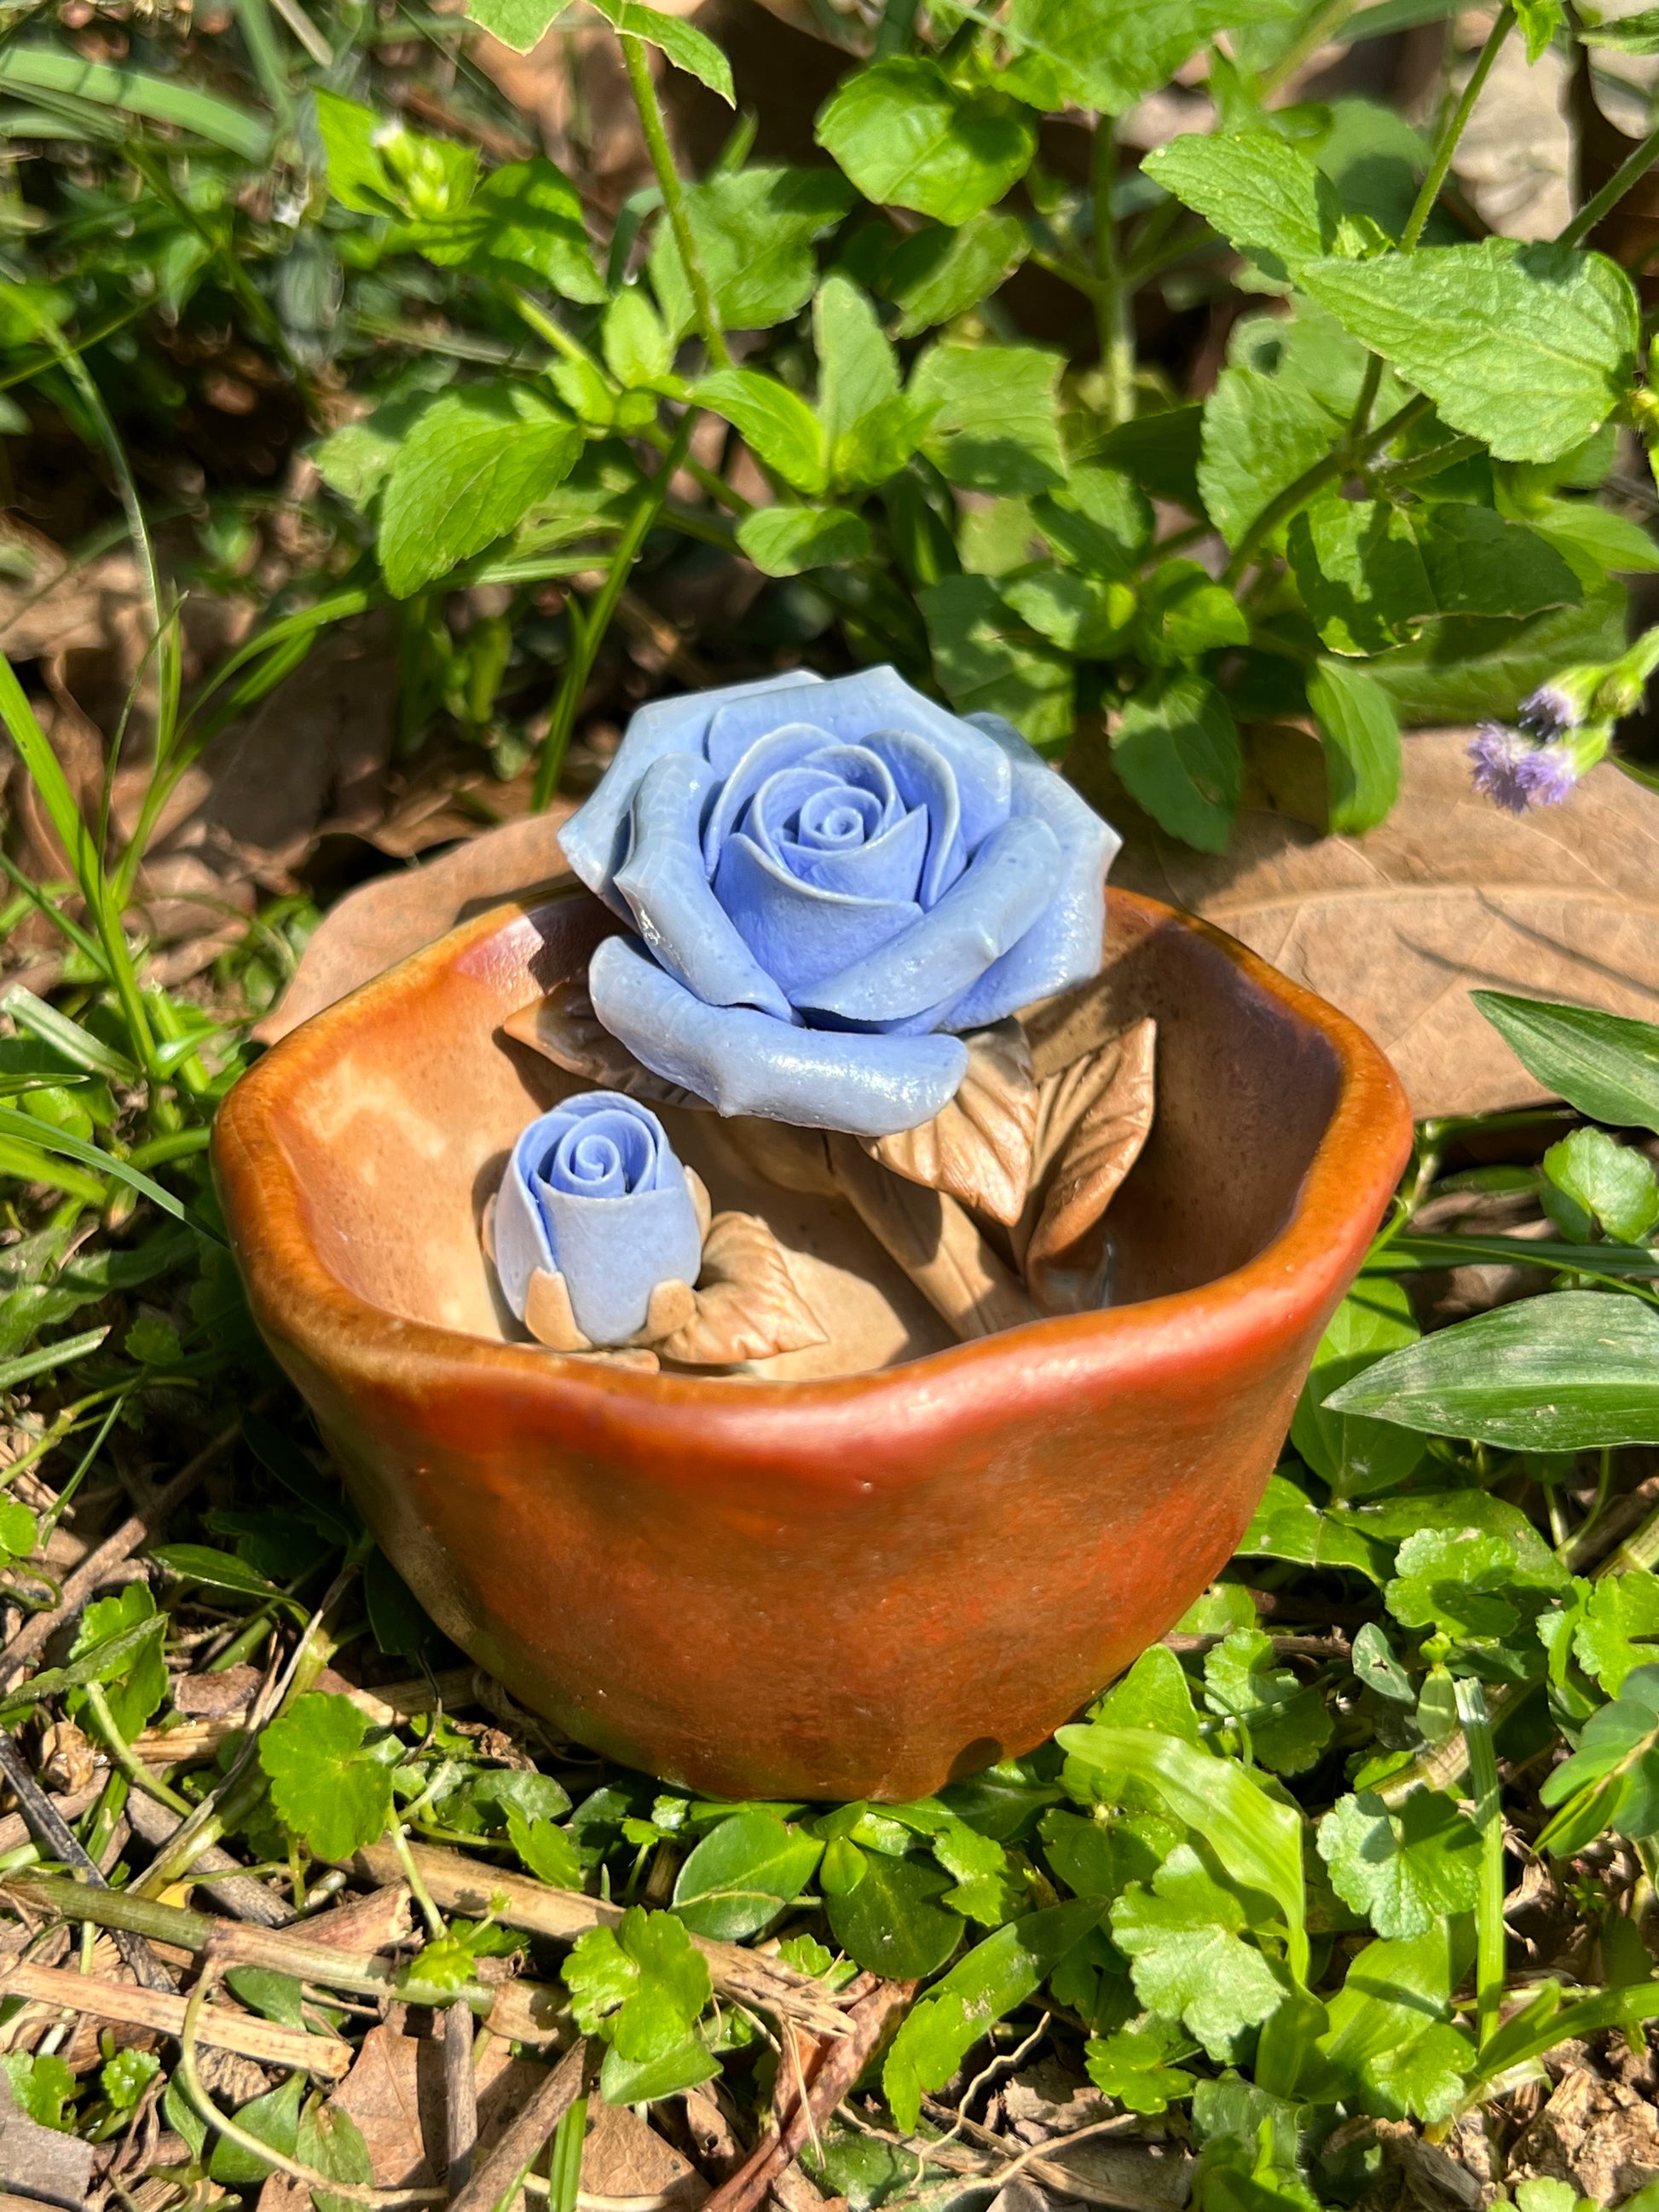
(1396, 928)
(623, 2156)
(977, 1148)
(1092, 1119)
(747, 1306)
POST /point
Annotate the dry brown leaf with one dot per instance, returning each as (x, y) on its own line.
(563, 1027)
(1092, 1119)
(978, 1148)
(1448, 894)
(623, 2156)
(747, 1305)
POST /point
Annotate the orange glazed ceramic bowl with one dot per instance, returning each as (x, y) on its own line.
(821, 1582)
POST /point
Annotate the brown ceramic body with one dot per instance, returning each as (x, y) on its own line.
(819, 1587)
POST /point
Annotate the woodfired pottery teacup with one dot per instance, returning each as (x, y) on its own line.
(896, 1559)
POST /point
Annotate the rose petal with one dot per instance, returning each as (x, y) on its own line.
(679, 917)
(746, 1063)
(613, 1252)
(1063, 945)
(798, 933)
(848, 707)
(791, 744)
(520, 1237)
(595, 839)
(889, 868)
(563, 1027)
(1007, 885)
(927, 784)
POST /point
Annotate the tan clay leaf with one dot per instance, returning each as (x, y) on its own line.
(747, 1305)
(1448, 894)
(1092, 1119)
(565, 1028)
(978, 1148)
(548, 1315)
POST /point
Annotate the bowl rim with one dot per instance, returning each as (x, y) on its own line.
(1292, 1283)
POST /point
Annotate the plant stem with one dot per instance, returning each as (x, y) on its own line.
(1631, 171)
(673, 196)
(1112, 308)
(1321, 28)
(1296, 493)
(125, 1756)
(1453, 129)
(1488, 1819)
(589, 628)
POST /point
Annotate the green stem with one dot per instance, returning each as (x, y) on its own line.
(1453, 129)
(1488, 1819)
(1296, 493)
(125, 1756)
(417, 1888)
(1110, 296)
(673, 196)
(1321, 28)
(588, 631)
(1631, 171)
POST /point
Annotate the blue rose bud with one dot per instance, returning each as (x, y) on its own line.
(593, 1192)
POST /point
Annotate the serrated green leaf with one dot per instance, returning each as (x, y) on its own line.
(1479, 564)
(1176, 751)
(1468, 667)
(1075, 612)
(785, 541)
(1529, 348)
(1289, 1726)
(524, 216)
(689, 48)
(987, 662)
(1361, 735)
(139, 1688)
(1361, 577)
(466, 474)
(41, 2085)
(776, 421)
(641, 1985)
(1390, 2029)
(1260, 192)
(1451, 1579)
(1401, 1868)
(994, 426)
(1261, 432)
(326, 1789)
(520, 24)
(546, 1851)
(1106, 55)
(940, 272)
(754, 230)
(1569, 1372)
(908, 137)
(1617, 1629)
(1130, 2066)
(1188, 1958)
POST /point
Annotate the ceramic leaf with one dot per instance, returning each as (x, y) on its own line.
(1092, 1119)
(563, 1028)
(978, 1148)
(746, 1305)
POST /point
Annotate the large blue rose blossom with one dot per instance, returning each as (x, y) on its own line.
(593, 1192)
(827, 880)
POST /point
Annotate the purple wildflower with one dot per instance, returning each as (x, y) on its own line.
(1550, 712)
(1516, 773)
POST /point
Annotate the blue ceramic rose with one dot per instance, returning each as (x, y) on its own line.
(827, 880)
(594, 1192)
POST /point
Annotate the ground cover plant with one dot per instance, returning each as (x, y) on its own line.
(313, 364)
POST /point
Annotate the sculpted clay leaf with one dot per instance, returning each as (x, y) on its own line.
(1528, 348)
(746, 1305)
(563, 1026)
(1091, 1121)
(978, 1148)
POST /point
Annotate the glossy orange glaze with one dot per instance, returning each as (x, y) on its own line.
(843, 1587)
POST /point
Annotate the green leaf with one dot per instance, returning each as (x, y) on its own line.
(1449, 1578)
(891, 1921)
(1075, 612)
(520, 24)
(778, 423)
(1529, 348)
(742, 1875)
(124, 2078)
(986, 662)
(1107, 54)
(274, 2119)
(1359, 573)
(526, 215)
(637, 349)
(546, 1851)
(1626, 35)
(908, 137)
(1176, 751)
(1479, 564)
(486, 1801)
(201, 1563)
(1619, 1610)
(685, 46)
(995, 426)
(1595, 536)
(1611, 1182)
(1188, 1958)
(939, 2032)
(641, 1985)
(1097, 1858)
(470, 468)
(1605, 1065)
(1288, 1525)
(1289, 1726)
(1404, 1869)
(624, 2080)
(1540, 20)
(1570, 1372)
(1374, 1664)
(869, 429)
(754, 230)
(1130, 2066)
(1185, 614)
(1390, 2030)
(1356, 721)
(139, 1687)
(41, 2086)
(784, 541)
(940, 272)
(326, 1789)
(1260, 192)
(1466, 667)
(1261, 432)
(26, 68)
(1257, 1839)
(330, 2141)
(19, 1528)
(1355, 1456)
